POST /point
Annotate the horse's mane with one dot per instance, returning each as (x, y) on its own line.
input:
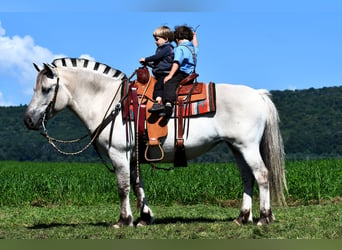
(83, 63)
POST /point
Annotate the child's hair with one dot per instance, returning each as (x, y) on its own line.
(164, 32)
(183, 32)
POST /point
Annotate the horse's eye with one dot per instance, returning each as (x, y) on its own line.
(45, 90)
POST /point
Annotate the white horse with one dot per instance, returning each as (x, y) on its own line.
(246, 119)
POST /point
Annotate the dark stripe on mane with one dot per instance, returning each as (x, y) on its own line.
(96, 67)
(74, 62)
(63, 62)
(106, 70)
(85, 64)
(117, 73)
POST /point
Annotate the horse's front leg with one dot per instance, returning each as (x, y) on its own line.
(146, 214)
(123, 183)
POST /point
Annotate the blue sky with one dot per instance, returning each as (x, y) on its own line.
(270, 44)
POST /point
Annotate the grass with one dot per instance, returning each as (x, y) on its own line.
(314, 180)
(41, 184)
(172, 222)
(78, 201)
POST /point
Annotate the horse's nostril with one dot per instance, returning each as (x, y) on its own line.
(28, 122)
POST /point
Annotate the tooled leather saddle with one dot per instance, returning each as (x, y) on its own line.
(193, 99)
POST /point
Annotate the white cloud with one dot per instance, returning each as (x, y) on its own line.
(17, 54)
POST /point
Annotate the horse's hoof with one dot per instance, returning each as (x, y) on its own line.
(120, 225)
(117, 225)
(243, 218)
(141, 223)
(146, 217)
(237, 221)
(144, 222)
(266, 217)
(124, 222)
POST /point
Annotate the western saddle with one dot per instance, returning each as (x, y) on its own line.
(152, 127)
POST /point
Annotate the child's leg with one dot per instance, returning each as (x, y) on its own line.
(170, 89)
(159, 88)
(157, 95)
(171, 86)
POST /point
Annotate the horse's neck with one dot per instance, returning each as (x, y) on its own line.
(91, 96)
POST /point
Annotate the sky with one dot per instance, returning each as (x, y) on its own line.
(268, 44)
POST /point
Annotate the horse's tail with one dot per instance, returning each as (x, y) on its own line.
(272, 151)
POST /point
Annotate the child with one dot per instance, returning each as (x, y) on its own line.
(184, 64)
(161, 63)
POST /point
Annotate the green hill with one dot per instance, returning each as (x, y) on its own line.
(311, 125)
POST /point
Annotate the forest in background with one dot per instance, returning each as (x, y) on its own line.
(311, 126)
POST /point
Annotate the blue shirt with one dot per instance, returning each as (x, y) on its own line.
(184, 57)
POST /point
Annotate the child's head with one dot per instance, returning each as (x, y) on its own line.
(183, 32)
(163, 32)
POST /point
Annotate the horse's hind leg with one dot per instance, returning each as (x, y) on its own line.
(254, 161)
(247, 177)
(146, 214)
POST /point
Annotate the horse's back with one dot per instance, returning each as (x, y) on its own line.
(241, 112)
(240, 99)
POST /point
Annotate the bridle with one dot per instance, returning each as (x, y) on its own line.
(105, 121)
(51, 105)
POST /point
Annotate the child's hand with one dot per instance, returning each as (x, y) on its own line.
(142, 60)
(167, 78)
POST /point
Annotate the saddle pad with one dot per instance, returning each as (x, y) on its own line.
(207, 105)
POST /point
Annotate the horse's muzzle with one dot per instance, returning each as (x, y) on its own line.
(31, 124)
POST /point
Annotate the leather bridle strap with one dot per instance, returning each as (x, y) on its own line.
(50, 106)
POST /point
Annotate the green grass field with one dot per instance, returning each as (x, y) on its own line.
(79, 200)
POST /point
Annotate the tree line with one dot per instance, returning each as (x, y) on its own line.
(311, 126)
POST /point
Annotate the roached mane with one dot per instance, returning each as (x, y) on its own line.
(90, 65)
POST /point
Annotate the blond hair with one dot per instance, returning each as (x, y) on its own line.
(164, 32)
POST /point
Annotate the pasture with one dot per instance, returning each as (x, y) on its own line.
(79, 200)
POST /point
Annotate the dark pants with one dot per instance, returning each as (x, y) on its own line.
(170, 86)
(159, 87)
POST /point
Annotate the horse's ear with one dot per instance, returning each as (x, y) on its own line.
(36, 67)
(51, 71)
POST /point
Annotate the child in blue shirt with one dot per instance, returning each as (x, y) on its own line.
(184, 64)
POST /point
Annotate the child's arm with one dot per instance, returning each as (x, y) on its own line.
(194, 40)
(175, 67)
(164, 51)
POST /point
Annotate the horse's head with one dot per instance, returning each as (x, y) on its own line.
(46, 100)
